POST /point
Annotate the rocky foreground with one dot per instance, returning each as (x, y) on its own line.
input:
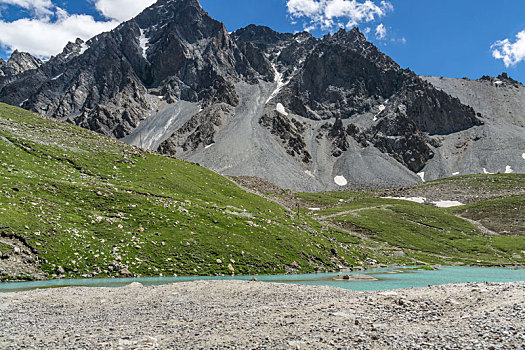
(257, 315)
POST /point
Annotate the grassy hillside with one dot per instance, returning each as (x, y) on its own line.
(74, 203)
(489, 230)
(87, 205)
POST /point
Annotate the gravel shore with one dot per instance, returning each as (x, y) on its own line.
(257, 315)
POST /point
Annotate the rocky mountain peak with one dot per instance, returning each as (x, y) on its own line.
(186, 17)
(260, 35)
(502, 79)
(20, 62)
(350, 36)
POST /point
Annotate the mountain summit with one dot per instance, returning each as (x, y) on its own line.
(306, 113)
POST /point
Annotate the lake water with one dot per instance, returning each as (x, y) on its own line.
(383, 279)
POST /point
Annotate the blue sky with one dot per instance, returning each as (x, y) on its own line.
(444, 38)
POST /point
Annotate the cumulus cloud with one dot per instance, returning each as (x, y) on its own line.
(122, 10)
(38, 7)
(50, 28)
(330, 14)
(510, 52)
(381, 31)
(43, 38)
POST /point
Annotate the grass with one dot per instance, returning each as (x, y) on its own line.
(504, 216)
(5, 249)
(437, 235)
(89, 205)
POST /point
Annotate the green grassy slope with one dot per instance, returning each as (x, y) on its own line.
(88, 205)
(490, 230)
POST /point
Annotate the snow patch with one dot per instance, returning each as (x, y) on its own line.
(309, 173)
(420, 200)
(381, 109)
(208, 146)
(486, 172)
(314, 209)
(144, 44)
(279, 80)
(421, 175)
(280, 108)
(340, 180)
(456, 173)
(83, 48)
(447, 204)
(22, 103)
(498, 82)
(523, 156)
(508, 169)
(58, 76)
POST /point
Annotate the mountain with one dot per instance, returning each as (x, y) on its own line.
(305, 113)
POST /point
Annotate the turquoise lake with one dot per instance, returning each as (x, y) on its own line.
(387, 278)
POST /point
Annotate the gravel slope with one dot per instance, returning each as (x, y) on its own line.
(256, 315)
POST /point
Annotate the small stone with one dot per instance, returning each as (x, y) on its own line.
(125, 272)
(231, 268)
(346, 277)
(219, 261)
(254, 279)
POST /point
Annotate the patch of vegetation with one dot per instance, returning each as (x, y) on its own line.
(5, 249)
(434, 235)
(504, 216)
(89, 205)
(327, 199)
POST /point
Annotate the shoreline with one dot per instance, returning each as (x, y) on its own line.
(342, 271)
(244, 314)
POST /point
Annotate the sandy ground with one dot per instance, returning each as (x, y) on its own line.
(257, 315)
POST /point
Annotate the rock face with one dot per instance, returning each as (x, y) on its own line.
(293, 109)
(497, 146)
(19, 62)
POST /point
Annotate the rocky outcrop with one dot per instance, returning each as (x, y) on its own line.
(290, 133)
(400, 137)
(199, 131)
(19, 62)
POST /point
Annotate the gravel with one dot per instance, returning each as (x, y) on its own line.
(257, 315)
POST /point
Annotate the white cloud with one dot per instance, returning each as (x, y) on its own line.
(122, 10)
(43, 37)
(39, 7)
(510, 52)
(328, 14)
(381, 31)
(51, 27)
